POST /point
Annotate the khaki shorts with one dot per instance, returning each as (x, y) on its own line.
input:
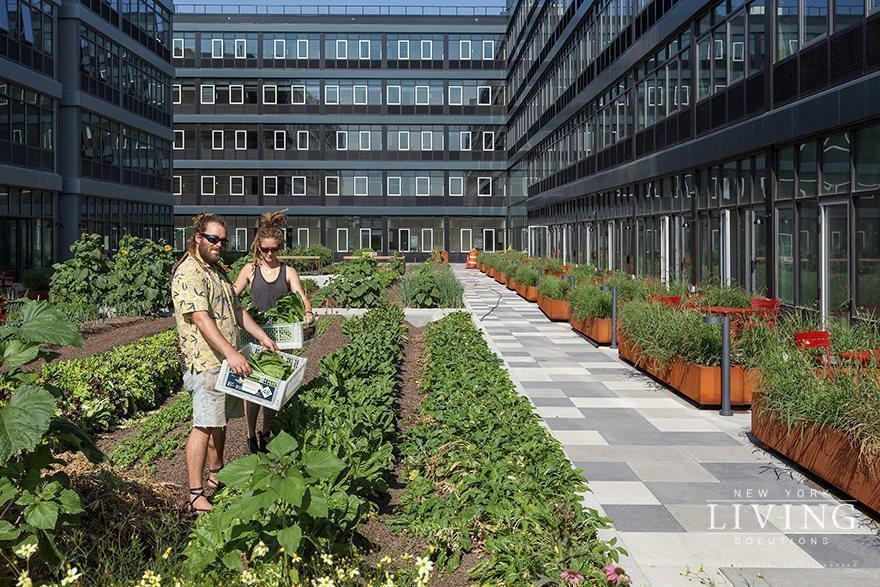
(211, 408)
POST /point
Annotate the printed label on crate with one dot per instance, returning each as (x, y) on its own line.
(250, 386)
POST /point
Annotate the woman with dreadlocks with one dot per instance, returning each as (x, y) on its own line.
(269, 279)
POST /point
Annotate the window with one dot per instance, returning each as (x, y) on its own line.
(364, 140)
(297, 94)
(359, 95)
(427, 240)
(394, 184)
(298, 185)
(489, 239)
(280, 48)
(488, 141)
(217, 140)
(488, 50)
(341, 240)
(177, 185)
(331, 95)
(270, 94)
(464, 49)
(236, 185)
(366, 235)
(427, 140)
(484, 95)
(456, 185)
(465, 237)
(280, 142)
(423, 96)
(403, 140)
(217, 48)
(341, 140)
(392, 95)
(208, 185)
(455, 95)
(464, 138)
(207, 94)
(236, 94)
(423, 186)
(403, 49)
(240, 48)
(360, 185)
(302, 140)
(331, 185)
(302, 48)
(240, 140)
(484, 186)
(341, 49)
(302, 236)
(427, 49)
(179, 140)
(177, 48)
(176, 94)
(403, 240)
(364, 49)
(270, 185)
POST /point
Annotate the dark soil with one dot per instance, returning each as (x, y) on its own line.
(100, 336)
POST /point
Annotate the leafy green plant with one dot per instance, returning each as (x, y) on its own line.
(583, 272)
(555, 288)
(154, 438)
(288, 309)
(357, 286)
(526, 274)
(37, 279)
(310, 286)
(589, 301)
(397, 263)
(477, 461)
(83, 280)
(430, 285)
(727, 297)
(140, 277)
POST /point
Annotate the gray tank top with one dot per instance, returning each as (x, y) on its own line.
(265, 294)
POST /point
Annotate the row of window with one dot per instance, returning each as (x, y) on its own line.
(146, 21)
(345, 140)
(112, 143)
(349, 184)
(291, 46)
(335, 94)
(31, 21)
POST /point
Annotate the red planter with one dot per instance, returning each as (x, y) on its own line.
(491, 272)
(500, 278)
(823, 451)
(511, 284)
(556, 310)
(700, 383)
(596, 329)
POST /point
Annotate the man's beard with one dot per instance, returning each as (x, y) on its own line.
(205, 251)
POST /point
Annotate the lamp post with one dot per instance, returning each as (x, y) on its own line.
(724, 321)
(613, 290)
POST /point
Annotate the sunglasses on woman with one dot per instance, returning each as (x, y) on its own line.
(214, 239)
(270, 249)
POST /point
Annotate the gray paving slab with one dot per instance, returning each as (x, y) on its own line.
(606, 471)
(642, 518)
(833, 577)
(841, 550)
(558, 402)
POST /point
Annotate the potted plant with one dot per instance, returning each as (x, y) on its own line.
(552, 294)
(591, 312)
(526, 276)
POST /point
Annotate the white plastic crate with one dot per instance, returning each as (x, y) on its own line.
(286, 336)
(261, 389)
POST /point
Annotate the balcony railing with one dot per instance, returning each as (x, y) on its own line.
(271, 7)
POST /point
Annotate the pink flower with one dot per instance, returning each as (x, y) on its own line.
(571, 577)
(616, 575)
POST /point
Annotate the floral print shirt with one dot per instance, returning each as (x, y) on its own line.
(197, 287)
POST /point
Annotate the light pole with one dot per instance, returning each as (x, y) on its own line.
(613, 290)
(724, 321)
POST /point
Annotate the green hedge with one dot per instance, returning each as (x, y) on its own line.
(98, 391)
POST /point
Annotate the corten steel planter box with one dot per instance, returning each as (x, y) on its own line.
(825, 452)
(500, 278)
(481, 267)
(491, 272)
(511, 284)
(700, 383)
(531, 293)
(556, 310)
(596, 329)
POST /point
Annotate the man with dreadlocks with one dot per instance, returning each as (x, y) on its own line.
(269, 279)
(208, 316)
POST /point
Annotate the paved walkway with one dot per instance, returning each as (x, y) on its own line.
(685, 487)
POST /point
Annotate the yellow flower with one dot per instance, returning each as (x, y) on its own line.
(353, 572)
(327, 558)
(340, 573)
(24, 580)
(413, 474)
(123, 251)
(385, 559)
(260, 549)
(296, 558)
(166, 554)
(248, 577)
(424, 566)
(325, 582)
(178, 582)
(150, 579)
(26, 551)
(72, 578)
(405, 556)
(166, 248)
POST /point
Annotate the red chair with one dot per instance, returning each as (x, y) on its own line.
(670, 301)
(767, 309)
(819, 339)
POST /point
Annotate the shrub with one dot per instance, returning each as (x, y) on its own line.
(310, 286)
(357, 286)
(727, 297)
(526, 274)
(84, 279)
(37, 279)
(430, 286)
(555, 288)
(140, 277)
(589, 301)
(583, 272)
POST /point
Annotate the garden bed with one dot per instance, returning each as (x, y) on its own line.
(596, 329)
(700, 383)
(825, 452)
(555, 310)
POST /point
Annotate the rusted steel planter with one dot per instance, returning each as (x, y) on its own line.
(700, 383)
(528, 292)
(556, 310)
(511, 284)
(500, 278)
(491, 272)
(825, 452)
(596, 329)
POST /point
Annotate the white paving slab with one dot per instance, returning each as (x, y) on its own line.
(579, 438)
(622, 402)
(623, 493)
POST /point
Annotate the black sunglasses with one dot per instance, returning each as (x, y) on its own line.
(270, 249)
(214, 239)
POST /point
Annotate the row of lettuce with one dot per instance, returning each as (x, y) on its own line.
(661, 330)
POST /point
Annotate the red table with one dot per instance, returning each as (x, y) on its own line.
(864, 357)
(723, 311)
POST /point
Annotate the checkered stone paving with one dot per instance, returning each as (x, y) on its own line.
(685, 487)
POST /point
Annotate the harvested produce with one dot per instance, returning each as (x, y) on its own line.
(288, 309)
(271, 364)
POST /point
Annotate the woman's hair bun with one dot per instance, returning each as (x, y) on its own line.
(274, 219)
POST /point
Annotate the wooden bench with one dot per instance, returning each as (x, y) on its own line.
(376, 257)
(299, 258)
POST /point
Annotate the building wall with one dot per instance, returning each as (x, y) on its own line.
(732, 141)
(373, 131)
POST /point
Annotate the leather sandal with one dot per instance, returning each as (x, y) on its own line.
(194, 494)
(215, 485)
(253, 445)
(263, 440)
